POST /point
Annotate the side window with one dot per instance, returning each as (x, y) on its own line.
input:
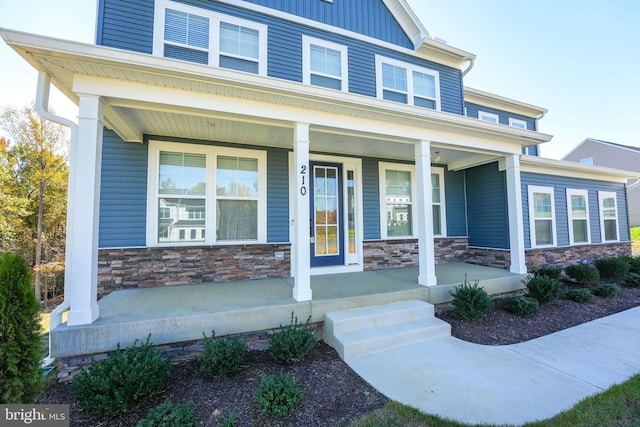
(578, 210)
(488, 117)
(324, 64)
(439, 211)
(407, 83)
(608, 216)
(186, 36)
(517, 123)
(542, 219)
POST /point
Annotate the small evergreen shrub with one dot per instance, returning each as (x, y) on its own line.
(606, 290)
(169, 414)
(21, 380)
(278, 395)
(221, 356)
(613, 268)
(293, 342)
(231, 420)
(634, 263)
(543, 289)
(122, 381)
(549, 271)
(583, 295)
(522, 306)
(470, 302)
(632, 280)
(583, 274)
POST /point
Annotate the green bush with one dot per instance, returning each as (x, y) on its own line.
(221, 356)
(293, 342)
(543, 289)
(632, 280)
(634, 263)
(122, 381)
(583, 274)
(21, 380)
(521, 306)
(583, 295)
(606, 290)
(470, 302)
(169, 414)
(549, 271)
(278, 395)
(613, 268)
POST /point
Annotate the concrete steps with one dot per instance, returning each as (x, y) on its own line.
(375, 328)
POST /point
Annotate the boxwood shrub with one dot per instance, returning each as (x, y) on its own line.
(521, 305)
(583, 274)
(544, 289)
(613, 268)
(582, 295)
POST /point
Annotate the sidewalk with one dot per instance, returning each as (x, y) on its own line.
(512, 384)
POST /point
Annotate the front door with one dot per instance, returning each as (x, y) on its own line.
(327, 230)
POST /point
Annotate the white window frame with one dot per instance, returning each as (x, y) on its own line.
(517, 123)
(410, 88)
(532, 219)
(214, 33)
(602, 195)
(306, 61)
(488, 117)
(583, 193)
(212, 153)
(443, 211)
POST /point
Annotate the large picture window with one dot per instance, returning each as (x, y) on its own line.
(578, 209)
(542, 216)
(407, 83)
(183, 206)
(608, 216)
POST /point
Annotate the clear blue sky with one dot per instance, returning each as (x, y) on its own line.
(578, 58)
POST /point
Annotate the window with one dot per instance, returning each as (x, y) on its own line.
(197, 35)
(183, 205)
(324, 64)
(437, 185)
(588, 161)
(608, 216)
(407, 84)
(578, 209)
(542, 216)
(488, 117)
(517, 123)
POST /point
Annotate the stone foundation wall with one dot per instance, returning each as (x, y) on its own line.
(575, 254)
(497, 258)
(383, 254)
(150, 267)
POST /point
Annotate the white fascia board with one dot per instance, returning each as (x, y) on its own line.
(574, 170)
(498, 102)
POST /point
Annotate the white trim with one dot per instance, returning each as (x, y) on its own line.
(410, 68)
(518, 123)
(488, 117)
(583, 193)
(382, 168)
(436, 170)
(532, 219)
(602, 195)
(307, 41)
(490, 100)
(516, 215)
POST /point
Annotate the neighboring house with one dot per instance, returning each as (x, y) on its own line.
(295, 138)
(602, 153)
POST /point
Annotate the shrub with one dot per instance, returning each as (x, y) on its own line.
(634, 263)
(221, 356)
(583, 274)
(549, 271)
(278, 395)
(615, 267)
(522, 306)
(470, 302)
(293, 342)
(606, 290)
(543, 289)
(579, 295)
(632, 280)
(169, 414)
(21, 380)
(121, 381)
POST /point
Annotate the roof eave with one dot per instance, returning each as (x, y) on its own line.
(499, 102)
(572, 169)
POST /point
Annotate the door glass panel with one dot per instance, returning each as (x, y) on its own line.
(351, 211)
(326, 213)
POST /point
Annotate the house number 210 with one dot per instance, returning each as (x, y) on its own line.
(303, 174)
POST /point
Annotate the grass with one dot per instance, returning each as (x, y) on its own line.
(619, 406)
(635, 237)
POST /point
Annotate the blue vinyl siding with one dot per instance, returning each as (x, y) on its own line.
(560, 185)
(371, 199)
(126, 24)
(472, 111)
(123, 193)
(455, 204)
(277, 195)
(487, 208)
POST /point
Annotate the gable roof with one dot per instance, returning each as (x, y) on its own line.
(601, 142)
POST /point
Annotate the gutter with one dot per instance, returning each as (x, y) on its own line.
(42, 107)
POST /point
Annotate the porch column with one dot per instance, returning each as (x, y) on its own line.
(426, 249)
(301, 250)
(516, 221)
(84, 211)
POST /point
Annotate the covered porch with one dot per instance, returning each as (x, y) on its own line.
(182, 313)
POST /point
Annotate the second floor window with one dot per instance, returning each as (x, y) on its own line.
(324, 64)
(407, 83)
(488, 117)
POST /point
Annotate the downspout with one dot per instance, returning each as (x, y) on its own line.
(472, 62)
(42, 107)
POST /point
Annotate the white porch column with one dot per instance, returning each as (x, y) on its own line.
(426, 249)
(84, 210)
(301, 250)
(516, 221)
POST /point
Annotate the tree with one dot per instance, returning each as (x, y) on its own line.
(35, 184)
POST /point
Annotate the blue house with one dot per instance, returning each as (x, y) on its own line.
(228, 140)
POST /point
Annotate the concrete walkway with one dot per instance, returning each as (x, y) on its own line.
(511, 384)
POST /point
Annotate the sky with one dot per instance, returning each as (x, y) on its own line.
(577, 58)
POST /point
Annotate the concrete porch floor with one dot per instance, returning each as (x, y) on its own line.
(183, 313)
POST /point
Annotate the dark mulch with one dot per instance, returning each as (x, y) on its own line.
(333, 394)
